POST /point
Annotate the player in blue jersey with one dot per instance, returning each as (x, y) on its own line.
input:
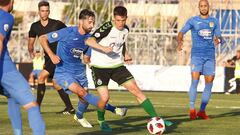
(205, 36)
(70, 72)
(13, 83)
(14, 113)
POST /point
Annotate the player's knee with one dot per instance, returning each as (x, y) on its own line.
(41, 78)
(105, 99)
(30, 105)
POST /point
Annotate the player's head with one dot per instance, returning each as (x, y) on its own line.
(120, 17)
(203, 6)
(86, 20)
(7, 4)
(43, 10)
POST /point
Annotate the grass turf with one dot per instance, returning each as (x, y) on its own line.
(224, 111)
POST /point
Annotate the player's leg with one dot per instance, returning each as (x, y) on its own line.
(14, 114)
(31, 79)
(41, 85)
(196, 69)
(65, 98)
(22, 95)
(209, 73)
(123, 77)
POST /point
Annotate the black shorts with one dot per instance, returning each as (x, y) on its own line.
(101, 76)
(1, 90)
(49, 66)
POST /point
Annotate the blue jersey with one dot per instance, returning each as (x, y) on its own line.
(71, 45)
(203, 32)
(6, 25)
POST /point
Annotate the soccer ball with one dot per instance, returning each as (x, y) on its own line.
(156, 125)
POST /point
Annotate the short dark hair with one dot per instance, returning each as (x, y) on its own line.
(43, 3)
(4, 2)
(86, 13)
(120, 10)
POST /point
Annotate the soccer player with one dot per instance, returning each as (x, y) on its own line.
(38, 62)
(14, 113)
(41, 27)
(13, 83)
(106, 60)
(205, 33)
(70, 72)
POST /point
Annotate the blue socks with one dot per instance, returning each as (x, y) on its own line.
(193, 93)
(14, 114)
(81, 109)
(109, 107)
(206, 95)
(35, 121)
(91, 99)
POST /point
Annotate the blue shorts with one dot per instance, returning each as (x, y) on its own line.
(15, 86)
(36, 73)
(205, 66)
(65, 79)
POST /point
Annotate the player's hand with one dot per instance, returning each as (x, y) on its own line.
(179, 46)
(107, 49)
(128, 59)
(31, 52)
(55, 59)
(216, 41)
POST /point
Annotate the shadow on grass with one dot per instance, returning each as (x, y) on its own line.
(227, 114)
(128, 125)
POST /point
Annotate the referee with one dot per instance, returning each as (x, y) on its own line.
(41, 27)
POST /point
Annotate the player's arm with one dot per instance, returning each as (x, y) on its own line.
(87, 56)
(31, 39)
(217, 34)
(98, 35)
(1, 44)
(44, 43)
(180, 41)
(91, 41)
(31, 46)
(126, 55)
(184, 30)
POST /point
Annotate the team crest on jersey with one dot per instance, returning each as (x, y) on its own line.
(99, 82)
(55, 35)
(211, 24)
(6, 27)
(97, 35)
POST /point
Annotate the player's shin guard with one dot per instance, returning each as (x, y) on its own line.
(193, 93)
(65, 98)
(81, 109)
(206, 95)
(101, 114)
(40, 93)
(148, 107)
(14, 114)
(35, 121)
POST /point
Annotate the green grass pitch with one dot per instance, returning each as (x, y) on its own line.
(224, 111)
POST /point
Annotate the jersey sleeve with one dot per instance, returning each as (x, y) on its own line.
(88, 51)
(6, 25)
(32, 33)
(61, 25)
(187, 26)
(217, 31)
(57, 35)
(102, 31)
